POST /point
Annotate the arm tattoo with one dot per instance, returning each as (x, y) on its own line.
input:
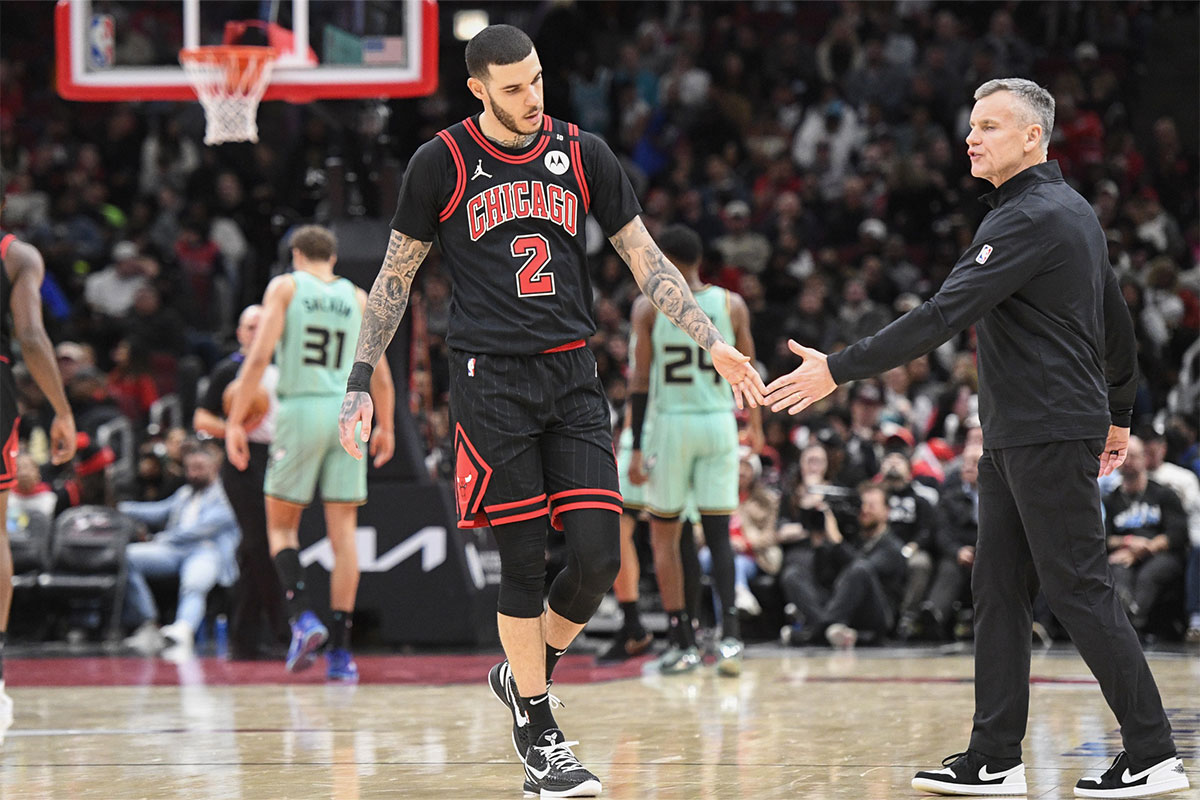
(389, 296)
(663, 285)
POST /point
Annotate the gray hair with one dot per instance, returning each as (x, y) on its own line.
(1038, 102)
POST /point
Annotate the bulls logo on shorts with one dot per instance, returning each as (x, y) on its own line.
(471, 475)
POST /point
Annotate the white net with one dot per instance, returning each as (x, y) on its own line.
(230, 82)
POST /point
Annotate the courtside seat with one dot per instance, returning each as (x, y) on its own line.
(87, 559)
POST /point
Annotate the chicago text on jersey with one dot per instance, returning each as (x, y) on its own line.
(522, 200)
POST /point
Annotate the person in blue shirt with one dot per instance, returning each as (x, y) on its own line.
(197, 541)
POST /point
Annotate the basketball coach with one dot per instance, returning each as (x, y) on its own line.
(1057, 369)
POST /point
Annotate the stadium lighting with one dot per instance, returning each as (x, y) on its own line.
(468, 23)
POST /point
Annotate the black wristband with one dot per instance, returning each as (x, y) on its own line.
(360, 377)
(638, 418)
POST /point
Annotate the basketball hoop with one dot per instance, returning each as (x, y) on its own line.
(230, 81)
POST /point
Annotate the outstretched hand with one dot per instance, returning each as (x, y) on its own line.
(736, 367)
(803, 386)
(356, 408)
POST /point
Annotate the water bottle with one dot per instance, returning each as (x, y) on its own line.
(221, 636)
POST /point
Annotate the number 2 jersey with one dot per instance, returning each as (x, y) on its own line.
(320, 332)
(510, 224)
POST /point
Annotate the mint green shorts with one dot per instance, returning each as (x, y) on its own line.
(306, 453)
(694, 462)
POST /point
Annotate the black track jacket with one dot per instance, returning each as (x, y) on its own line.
(1057, 354)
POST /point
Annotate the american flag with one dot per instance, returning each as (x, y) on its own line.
(384, 50)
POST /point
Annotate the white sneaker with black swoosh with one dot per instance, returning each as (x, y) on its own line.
(973, 774)
(552, 770)
(1120, 781)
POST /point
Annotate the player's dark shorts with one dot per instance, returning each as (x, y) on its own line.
(8, 426)
(532, 436)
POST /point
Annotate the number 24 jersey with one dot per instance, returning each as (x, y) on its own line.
(510, 224)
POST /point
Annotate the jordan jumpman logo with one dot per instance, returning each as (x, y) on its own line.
(479, 171)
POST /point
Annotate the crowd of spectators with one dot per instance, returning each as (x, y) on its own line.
(815, 147)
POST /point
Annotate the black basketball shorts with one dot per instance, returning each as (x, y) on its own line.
(532, 436)
(9, 420)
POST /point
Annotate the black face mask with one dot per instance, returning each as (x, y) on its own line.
(199, 484)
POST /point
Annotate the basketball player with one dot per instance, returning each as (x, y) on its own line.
(633, 639)
(506, 193)
(694, 448)
(1057, 381)
(257, 597)
(21, 272)
(312, 315)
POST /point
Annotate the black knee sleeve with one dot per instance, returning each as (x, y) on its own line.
(594, 540)
(522, 547)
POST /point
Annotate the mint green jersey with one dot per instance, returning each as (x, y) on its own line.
(320, 332)
(682, 377)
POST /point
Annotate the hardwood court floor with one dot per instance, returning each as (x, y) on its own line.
(797, 724)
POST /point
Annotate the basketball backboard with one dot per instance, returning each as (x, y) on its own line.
(124, 50)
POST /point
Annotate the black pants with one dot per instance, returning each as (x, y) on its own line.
(1141, 585)
(857, 598)
(949, 582)
(259, 617)
(798, 581)
(1039, 521)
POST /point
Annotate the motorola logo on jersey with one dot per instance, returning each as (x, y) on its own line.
(522, 200)
(557, 162)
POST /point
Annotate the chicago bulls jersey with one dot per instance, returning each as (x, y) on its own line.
(510, 224)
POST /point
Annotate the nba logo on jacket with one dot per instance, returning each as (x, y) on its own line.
(984, 252)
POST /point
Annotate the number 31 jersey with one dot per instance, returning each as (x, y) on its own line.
(320, 332)
(510, 225)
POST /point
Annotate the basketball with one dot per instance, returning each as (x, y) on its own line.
(260, 403)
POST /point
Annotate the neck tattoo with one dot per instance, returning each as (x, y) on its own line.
(517, 141)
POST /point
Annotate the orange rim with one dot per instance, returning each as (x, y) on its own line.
(240, 53)
(246, 68)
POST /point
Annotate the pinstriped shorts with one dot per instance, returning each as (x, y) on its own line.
(532, 437)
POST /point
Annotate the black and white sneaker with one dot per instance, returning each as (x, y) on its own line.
(552, 770)
(1118, 781)
(504, 686)
(974, 775)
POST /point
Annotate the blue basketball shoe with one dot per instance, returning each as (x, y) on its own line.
(308, 635)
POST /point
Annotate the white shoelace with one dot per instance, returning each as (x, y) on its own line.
(561, 757)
